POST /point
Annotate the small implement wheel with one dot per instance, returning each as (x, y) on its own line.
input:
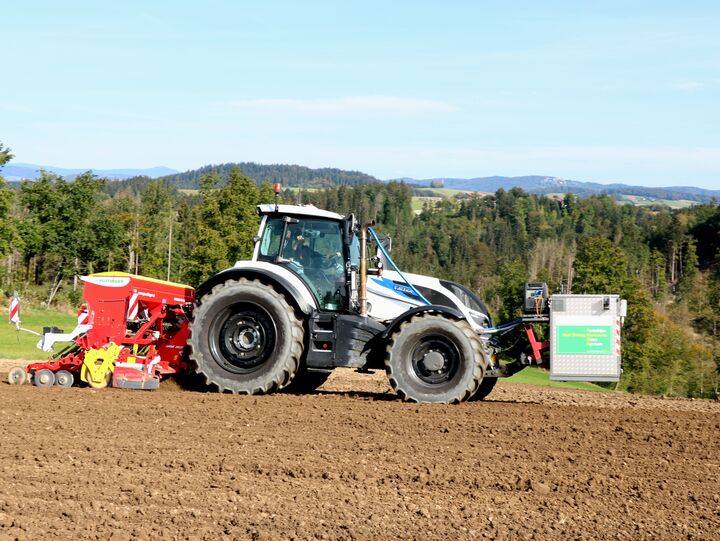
(434, 359)
(44, 378)
(64, 379)
(17, 376)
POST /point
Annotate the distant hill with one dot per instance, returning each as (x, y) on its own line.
(135, 180)
(545, 185)
(289, 175)
(21, 171)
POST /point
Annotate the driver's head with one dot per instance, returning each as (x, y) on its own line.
(296, 243)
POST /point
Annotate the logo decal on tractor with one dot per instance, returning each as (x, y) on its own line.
(400, 289)
(403, 289)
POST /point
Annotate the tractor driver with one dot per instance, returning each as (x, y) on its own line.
(295, 247)
(303, 253)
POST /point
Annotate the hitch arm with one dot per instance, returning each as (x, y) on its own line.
(537, 346)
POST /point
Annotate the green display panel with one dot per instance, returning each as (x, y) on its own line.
(584, 340)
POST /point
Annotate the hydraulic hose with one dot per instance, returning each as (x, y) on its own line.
(395, 267)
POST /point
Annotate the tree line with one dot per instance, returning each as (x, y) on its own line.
(289, 175)
(665, 262)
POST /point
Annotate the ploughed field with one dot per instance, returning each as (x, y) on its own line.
(353, 462)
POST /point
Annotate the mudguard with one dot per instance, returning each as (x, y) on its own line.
(282, 279)
(435, 308)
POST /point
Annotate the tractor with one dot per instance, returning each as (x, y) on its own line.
(310, 300)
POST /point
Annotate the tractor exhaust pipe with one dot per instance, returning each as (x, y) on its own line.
(362, 287)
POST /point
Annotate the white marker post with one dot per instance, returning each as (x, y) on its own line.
(15, 314)
(15, 310)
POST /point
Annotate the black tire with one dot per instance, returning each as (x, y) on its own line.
(307, 382)
(486, 387)
(435, 359)
(245, 338)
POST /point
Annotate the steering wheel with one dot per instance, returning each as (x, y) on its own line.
(335, 261)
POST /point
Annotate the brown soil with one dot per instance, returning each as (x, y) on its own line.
(529, 463)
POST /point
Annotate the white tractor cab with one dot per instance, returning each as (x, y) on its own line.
(311, 299)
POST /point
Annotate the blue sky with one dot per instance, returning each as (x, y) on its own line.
(613, 92)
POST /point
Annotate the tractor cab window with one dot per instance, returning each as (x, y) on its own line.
(270, 242)
(311, 248)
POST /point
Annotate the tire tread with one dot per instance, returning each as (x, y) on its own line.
(205, 368)
(406, 394)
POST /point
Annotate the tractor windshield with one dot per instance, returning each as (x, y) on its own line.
(311, 248)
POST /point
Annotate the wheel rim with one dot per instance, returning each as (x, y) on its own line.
(435, 359)
(17, 376)
(242, 338)
(44, 378)
(64, 379)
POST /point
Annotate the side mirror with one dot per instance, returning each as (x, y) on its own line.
(350, 227)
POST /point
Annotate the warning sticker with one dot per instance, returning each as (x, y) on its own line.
(584, 340)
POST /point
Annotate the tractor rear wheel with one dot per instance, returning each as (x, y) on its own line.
(245, 338)
(434, 359)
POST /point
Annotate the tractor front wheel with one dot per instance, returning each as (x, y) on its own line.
(486, 387)
(435, 359)
(245, 338)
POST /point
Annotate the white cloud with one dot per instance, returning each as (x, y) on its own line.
(347, 104)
